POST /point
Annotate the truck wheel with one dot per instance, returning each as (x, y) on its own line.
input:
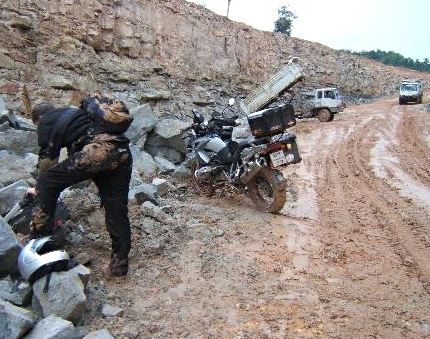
(400, 102)
(324, 115)
(420, 100)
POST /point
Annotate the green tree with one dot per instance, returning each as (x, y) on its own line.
(395, 59)
(284, 23)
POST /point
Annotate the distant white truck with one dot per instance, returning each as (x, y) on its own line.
(322, 103)
(411, 91)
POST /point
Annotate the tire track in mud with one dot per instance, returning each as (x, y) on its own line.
(376, 201)
(413, 151)
(393, 213)
(368, 230)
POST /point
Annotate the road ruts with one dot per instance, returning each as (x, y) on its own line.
(413, 151)
(368, 229)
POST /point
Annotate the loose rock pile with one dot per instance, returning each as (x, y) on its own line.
(26, 310)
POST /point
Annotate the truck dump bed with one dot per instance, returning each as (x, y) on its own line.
(280, 82)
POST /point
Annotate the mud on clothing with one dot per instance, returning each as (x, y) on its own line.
(103, 157)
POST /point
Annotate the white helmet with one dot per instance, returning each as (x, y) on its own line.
(33, 265)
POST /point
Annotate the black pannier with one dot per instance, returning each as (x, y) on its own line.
(271, 121)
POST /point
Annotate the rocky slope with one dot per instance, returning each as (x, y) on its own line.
(172, 53)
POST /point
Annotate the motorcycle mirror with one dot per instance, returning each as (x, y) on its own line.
(231, 101)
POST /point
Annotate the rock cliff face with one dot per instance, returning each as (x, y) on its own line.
(171, 53)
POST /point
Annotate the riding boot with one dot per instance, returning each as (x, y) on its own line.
(118, 266)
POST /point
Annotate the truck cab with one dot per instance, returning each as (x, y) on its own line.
(322, 103)
(411, 91)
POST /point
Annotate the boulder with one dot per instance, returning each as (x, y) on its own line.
(164, 166)
(9, 250)
(142, 193)
(2, 107)
(4, 126)
(65, 297)
(17, 122)
(166, 140)
(162, 186)
(80, 332)
(7, 62)
(182, 173)
(19, 142)
(171, 128)
(136, 180)
(100, 334)
(168, 133)
(130, 331)
(201, 97)
(58, 81)
(11, 195)
(14, 167)
(154, 147)
(83, 273)
(144, 121)
(15, 291)
(143, 163)
(154, 94)
(111, 311)
(149, 209)
(52, 327)
(14, 321)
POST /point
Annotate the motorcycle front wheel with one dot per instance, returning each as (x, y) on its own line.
(203, 184)
(267, 190)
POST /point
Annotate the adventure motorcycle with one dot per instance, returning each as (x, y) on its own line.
(250, 165)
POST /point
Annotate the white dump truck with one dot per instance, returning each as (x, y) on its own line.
(322, 103)
(275, 86)
(411, 91)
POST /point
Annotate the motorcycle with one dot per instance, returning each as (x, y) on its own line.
(251, 165)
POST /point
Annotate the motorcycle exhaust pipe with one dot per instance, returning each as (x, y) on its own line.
(250, 172)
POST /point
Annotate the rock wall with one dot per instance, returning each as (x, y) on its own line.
(171, 53)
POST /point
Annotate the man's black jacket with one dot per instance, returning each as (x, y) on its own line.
(62, 128)
(73, 127)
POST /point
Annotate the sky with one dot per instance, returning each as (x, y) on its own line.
(402, 26)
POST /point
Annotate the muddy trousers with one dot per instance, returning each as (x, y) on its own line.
(109, 165)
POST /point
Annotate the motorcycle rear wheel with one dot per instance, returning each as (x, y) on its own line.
(205, 186)
(268, 191)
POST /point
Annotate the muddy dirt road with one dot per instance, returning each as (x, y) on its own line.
(348, 257)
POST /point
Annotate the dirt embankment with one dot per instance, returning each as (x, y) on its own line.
(346, 258)
(174, 54)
